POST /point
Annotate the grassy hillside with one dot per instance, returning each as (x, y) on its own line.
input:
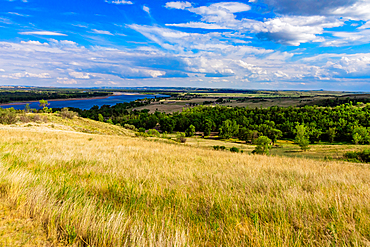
(111, 190)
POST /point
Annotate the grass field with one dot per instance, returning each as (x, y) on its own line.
(285, 148)
(110, 190)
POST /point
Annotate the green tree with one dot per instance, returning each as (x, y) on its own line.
(314, 134)
(100, 118)
(263, 145)
(27, 108)
(208, 125)
(332, 132)
(302, 138)
(167, 124)
(274, 134)
(228, 129)
(189, 132)
(43, 103)
(360, 135)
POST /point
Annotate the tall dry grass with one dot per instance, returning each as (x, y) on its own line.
(120, 191)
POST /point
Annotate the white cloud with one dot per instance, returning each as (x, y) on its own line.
(119, 2)
(360, 10)
(26, 74)
(294, 30)
(31, 42)
(362, 36)
(178, 5)
(2, 70)
(289, 30)
(102, 32)
(198, 25)
(66, 81)
(365, 26)
(43, 33)
(18, 14)
(80, 75)
(146, 9)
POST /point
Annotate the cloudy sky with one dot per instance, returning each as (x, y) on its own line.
(255, 44)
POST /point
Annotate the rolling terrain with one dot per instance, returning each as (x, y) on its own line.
(86, 183)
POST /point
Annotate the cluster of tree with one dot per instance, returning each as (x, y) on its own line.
(341, 100)
(14, 96)
(343, 123)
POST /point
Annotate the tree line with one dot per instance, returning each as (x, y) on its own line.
(14, 96)
(343, 123)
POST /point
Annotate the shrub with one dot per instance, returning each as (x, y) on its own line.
(263, 145)
(24, 118)
(234, 150)
(216, 147)
(39, 118)
(143, 134)
(130, 127)
(181, 137)
(141, 129)
(153, 132)
(361, 156)
(189, 132)
(8, 116)
(222, 147)
(65, 113)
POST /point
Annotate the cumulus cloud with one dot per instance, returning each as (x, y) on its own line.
(80, 75)
(307, 7)
(32, 42)
(294, 30)
(289, 30)
(178, 5)
(119, 2)
(43, 33)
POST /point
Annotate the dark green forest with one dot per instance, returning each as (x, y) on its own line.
(343, 123)
(14, 96)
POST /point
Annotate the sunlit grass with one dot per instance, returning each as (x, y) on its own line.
(121, 191)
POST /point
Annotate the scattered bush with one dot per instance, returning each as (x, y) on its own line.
(24, 118)
(130, 127)
(65, 113)
(361, 156)
(8, 116)
(153, 132)
(142, 130)
(39, 118)
(181, 137)
(234, 150)
(142, 134)
(219, 147)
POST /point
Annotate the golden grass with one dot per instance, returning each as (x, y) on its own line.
(121, 191)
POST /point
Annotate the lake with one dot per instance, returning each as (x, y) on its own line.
(85, 104)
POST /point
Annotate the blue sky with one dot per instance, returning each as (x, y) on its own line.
(255, 44)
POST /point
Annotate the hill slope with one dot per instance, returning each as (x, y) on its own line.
(120, 191)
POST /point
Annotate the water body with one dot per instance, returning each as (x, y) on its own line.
(86, 104)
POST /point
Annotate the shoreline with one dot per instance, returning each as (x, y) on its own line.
(102, 97)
